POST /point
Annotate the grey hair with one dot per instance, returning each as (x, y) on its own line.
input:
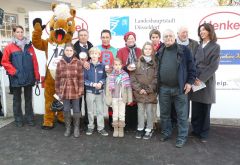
(170, 31)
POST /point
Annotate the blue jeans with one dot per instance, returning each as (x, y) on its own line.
(167, 95)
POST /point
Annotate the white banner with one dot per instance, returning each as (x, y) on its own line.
(226, 21)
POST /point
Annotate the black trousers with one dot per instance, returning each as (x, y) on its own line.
(131, 117)
(201, 119)
(17, 103)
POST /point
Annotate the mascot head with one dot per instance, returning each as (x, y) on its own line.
(62, 24)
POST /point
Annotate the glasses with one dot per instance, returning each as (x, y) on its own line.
(168, 36)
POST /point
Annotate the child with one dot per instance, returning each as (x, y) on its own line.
(118, 93)
(95, 78)
(69, 87)
(144, 82)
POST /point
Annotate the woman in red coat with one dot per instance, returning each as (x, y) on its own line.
(129, 55)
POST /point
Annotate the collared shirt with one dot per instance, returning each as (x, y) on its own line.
(84, 46)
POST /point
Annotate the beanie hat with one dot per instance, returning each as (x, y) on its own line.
(126, 35)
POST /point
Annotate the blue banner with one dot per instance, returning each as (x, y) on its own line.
(230, 57)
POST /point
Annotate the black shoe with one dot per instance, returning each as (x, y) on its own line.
(1, 113)
(139, 134)
(60, 122)
(163, 138)
(203, 140)
(193, 134)
(31, 123)
(19, 124)
(180, 143)
(47, 127)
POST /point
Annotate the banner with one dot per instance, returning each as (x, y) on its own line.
(226, 21)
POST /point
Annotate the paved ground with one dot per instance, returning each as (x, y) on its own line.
(34, 146)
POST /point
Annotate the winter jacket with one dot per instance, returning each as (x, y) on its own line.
(22, 66)
(145, 77)
(69, 82)
(96, 74)
(207, 62)
(186, 67)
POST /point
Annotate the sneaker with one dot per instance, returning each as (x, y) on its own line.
(89, 131)
(163, 138)
(103, 132)
(180, 143)
(139, 134)
(148, 135)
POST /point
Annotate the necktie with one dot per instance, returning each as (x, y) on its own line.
(85, 46)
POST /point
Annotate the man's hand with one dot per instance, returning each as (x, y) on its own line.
(86, 65)
(187, 88)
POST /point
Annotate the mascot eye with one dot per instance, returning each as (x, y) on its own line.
(69, 23)
(55, 19)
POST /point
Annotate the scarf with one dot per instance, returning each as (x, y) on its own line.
(67, 59)
(117, 78)
(106, 46)
(21, 43)
(156, 47)
(147, 58)
(132, 58)
(183, 42)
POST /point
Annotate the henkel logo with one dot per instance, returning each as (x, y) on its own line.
(79, 24)
(226, 24)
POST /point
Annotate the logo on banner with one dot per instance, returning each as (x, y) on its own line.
(230, 57)
(119, 25)
(226, 24)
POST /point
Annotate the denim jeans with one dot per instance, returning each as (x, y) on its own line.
(71, 103)
(167, 95)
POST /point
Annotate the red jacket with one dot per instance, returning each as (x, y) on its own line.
(22, 66)
(123, 53)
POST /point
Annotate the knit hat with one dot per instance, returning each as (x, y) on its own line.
(126, 35)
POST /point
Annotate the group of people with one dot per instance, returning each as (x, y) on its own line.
(124, 78)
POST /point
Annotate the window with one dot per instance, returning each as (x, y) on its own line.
(6, 34)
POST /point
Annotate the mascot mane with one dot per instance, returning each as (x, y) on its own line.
(62, 24)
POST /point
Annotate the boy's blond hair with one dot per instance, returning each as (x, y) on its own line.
(117, 60)
(95, 49)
